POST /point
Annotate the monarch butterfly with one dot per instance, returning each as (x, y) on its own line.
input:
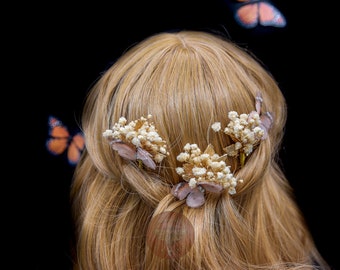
(251, 13)
(61, 140)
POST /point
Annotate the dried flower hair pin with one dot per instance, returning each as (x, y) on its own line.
(208, 171)
(246, 130)
(137, 141)
(202, 172)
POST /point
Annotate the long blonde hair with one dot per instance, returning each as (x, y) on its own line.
(186, 80)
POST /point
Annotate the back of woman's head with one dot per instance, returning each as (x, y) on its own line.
(127, 216)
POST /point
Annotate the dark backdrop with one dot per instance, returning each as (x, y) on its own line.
(57, 52)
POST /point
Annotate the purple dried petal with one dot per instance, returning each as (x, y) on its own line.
(124, 150)
(258, 102)
(146, 158)
(195, 198)
(267, 120)
(211, 187)
(181, 190)
(266, 123)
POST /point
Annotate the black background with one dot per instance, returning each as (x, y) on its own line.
(55, 54)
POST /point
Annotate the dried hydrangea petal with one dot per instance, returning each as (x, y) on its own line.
(266, 123)
(195, 198)
(124, 150)
(146, 158)
(211, 187)
(181, 190)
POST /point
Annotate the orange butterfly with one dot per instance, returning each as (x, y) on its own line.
(60, 140)
(251, 13)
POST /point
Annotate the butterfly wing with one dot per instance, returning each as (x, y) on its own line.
(269, 15)
(75, 148)
(79, 141)
(59, 136)
(247, 15)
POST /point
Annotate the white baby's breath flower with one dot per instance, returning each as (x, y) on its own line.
(107, 133)
(122, 121)
(135, 141)
(182, 157)
(162, 150)
(233, 115)
(232, 190)
(216, 126)
(197, 171)
(187, 147)
(192, 182)
(179, 170)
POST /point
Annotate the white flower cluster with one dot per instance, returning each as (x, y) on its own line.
(245, 131)
(140, 134)
(205, 168)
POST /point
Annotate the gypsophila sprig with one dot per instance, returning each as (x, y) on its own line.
(202, 171)
(137, 140)
(246, 130)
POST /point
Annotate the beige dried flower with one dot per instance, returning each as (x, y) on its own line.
(202, 172)
(246, 130)
(137, 141)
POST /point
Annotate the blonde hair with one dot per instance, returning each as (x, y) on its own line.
(187, 80)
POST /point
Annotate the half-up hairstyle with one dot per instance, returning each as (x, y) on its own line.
(187, 81)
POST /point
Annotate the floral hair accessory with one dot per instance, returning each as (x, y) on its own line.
(137, 141)
(246, 130)
(202, 172)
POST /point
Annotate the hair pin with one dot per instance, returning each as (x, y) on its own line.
(137, 141)
(246, 130)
